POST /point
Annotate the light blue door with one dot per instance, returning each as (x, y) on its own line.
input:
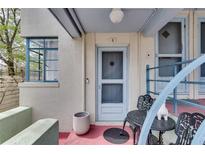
(111, 87)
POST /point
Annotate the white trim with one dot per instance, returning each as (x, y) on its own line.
(160, 18)
(200, 94)
(108, 123)
(108, 45)
(39, 85)
(103, 109)
(183, 55)
(170, 55)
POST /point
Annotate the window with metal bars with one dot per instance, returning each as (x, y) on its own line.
(42, 59)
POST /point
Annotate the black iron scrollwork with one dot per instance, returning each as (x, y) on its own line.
(144, 102)
(187, 126)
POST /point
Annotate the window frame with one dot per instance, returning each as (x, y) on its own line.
(45, 50)
(201, 89)
(200, 54)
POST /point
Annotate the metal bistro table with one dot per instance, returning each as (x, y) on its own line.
(137, 117)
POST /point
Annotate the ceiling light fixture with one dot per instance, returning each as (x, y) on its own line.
(116, 15)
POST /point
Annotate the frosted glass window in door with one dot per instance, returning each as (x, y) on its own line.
(202, 37)
(203, 47)
(168, 71)
(112, 93)
(203, 70)
(112, 65)
(170, 39)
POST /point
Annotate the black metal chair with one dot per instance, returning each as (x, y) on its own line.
(144, 103)
(187, 125)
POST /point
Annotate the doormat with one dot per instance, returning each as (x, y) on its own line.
(116, 135)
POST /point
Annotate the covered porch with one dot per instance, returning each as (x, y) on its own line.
(88, 60)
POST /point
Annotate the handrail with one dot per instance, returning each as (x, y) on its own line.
(184, 101)
(177, 63)
(163, 95)
(184, 82)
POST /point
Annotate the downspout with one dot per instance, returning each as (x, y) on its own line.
(193, 54)
(83, 73)
(139, 61)
(140, 34)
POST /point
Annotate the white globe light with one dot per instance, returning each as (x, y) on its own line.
(116, 15)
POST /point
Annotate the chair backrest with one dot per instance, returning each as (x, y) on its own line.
(144, 102)
(187, 125)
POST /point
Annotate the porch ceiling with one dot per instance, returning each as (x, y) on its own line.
(97, 20)
(82, 20)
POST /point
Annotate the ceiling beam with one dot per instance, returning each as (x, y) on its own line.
(68, 19)
(158, 20)
(76, 20)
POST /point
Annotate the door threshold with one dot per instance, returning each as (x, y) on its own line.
(109, 123)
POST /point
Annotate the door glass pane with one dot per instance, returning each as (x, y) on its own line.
(203, 70)
(203, 37)
(168, 71)
(112, 93)
(112, 65)
(170, 39)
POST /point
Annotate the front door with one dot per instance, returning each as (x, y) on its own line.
(111, 87)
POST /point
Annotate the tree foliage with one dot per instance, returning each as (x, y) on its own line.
(11, 43)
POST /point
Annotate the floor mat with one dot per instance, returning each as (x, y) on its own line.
(113, 135)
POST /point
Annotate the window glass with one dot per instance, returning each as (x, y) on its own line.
(36, 43)
(170, 48)
(202, 74)
(168, 71)
(112, 93)
(112, 65)
(170, 39)
(203, 70)
(51, 43)
(202, 37)
(51, 54)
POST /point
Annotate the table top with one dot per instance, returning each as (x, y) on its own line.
(137, 117)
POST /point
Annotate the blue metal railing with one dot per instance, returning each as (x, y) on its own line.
(174, 98)
(200, 134)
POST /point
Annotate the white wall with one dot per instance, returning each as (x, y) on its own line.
(140, 53)
(48, 99)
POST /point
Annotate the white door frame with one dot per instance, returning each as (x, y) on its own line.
(184, 54)
(199, 88)
(110, 111)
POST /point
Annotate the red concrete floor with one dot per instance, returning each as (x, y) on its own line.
(93, 137)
